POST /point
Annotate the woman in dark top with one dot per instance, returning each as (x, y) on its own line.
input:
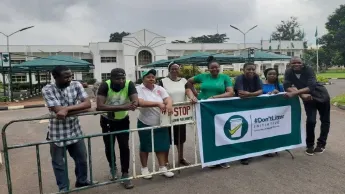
(271, 85)
(248, 85)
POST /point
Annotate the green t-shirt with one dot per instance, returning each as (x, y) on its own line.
(211, 86)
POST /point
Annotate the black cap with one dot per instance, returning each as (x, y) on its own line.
(117, 72)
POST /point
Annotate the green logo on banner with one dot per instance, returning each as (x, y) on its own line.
(236, 127)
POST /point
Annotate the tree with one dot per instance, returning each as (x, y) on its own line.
(117, 36)
(215, 38)
(335, 38)
(288, 30)
(325, 58)
(178, 41)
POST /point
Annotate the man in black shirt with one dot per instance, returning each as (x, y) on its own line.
(315, 98)
(119, 96)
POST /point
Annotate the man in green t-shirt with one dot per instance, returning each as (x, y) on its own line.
(117, 95)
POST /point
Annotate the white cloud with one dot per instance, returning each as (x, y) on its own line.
(80, 22)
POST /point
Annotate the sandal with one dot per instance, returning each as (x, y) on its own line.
(184, 162)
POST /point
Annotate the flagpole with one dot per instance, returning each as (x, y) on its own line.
(317, 58)
(317, 51)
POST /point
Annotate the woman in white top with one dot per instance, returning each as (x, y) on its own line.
(175, 86)
(153, 99)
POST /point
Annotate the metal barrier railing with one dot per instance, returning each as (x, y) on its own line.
(89, 145)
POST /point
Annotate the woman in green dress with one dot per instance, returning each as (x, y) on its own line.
(213, 85)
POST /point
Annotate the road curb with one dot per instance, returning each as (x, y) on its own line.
(342, 107)
(327, 83)
(4, 108)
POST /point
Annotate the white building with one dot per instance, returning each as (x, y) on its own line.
(137, 49)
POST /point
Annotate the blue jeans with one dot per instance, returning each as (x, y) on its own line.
(78, 152)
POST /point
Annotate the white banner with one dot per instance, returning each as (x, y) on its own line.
(252, 125)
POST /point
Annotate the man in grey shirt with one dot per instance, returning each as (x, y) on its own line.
(301, 80)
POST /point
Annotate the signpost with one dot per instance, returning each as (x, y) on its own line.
(181, 114)
(5, 62)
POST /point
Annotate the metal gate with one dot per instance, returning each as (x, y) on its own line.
(88, 138)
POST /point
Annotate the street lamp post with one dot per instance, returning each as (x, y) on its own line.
(10, 66)
(244, 33)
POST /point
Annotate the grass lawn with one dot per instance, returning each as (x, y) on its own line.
(339, 99)
(332, 75)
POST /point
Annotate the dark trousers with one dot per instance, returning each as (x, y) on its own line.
(78, 152)
(324, 109)
(122, 139)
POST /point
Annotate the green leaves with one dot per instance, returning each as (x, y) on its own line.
(213, 38)
(288, 30)
(117, 36)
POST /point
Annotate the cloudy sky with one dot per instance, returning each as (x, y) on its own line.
(83, 21)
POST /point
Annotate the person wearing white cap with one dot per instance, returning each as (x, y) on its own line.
(153, 99)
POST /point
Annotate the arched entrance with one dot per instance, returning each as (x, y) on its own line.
(144, 58)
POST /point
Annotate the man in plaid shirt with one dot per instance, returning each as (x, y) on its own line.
(65, 98)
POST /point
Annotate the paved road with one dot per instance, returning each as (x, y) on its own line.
(318, 174)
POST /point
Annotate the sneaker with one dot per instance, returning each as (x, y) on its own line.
(87, 183)
(309, 151)
(126, 183)
(245, 161)
(225, 165)
(165, 172)
(111, 175)
(319, 150)
(145, 171)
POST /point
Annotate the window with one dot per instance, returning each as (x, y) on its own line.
(276, 67)
(43, 77)
(19, 78)
(18, 61)
(105, 76)
(172, 57)
(108, 59)
(144, 57)
(290, 53)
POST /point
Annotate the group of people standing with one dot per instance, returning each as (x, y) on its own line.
(119, 95)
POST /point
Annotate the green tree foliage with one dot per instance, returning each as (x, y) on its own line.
(326, 57)
(334, 40)
(213, 38)
(289, 30)
(117, 36)
(178, 41)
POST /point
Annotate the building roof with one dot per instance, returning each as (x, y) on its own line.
(50, 62)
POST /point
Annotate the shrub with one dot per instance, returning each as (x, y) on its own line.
(187, 71)
(232, 74)
(91, 81)
(197, 87)
(3, 98)
(340, 100)
(281, 79)
(322, 79)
